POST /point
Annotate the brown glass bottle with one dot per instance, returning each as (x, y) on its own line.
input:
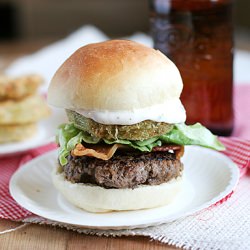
(197, 36)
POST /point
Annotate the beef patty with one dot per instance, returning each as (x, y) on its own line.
(124, 169)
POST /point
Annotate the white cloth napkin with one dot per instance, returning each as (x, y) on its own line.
(224, 227)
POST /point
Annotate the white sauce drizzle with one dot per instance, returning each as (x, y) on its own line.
(172, 111)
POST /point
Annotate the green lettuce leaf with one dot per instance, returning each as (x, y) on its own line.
(144, 146)
(68, 136)
(192, 135)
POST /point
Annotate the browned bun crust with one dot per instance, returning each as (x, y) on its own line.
(114, 75)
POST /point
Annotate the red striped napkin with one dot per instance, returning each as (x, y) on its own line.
(9, 209)
(237, 149)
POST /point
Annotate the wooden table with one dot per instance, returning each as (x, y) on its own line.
(47, 237)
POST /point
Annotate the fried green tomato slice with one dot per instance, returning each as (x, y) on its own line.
(139, 131)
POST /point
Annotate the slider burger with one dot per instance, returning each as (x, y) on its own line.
(122, 147)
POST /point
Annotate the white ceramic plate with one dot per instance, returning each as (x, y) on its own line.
(209, 177)
(45, 134)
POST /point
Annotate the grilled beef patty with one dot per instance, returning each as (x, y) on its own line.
(124, 169)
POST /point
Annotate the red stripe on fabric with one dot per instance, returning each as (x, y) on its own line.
(9, 209)
(238, 150)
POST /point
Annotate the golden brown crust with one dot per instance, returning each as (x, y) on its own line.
(11, 133)
(28, 110)
(20, 87)
(114, 75)
(109, 58)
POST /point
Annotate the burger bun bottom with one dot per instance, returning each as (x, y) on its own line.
(96, 199)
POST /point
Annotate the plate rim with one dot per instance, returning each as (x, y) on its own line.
(232, 184)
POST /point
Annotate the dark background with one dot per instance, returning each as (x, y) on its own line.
(36, 19)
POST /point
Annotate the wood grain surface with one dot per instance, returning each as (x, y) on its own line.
(39, 237)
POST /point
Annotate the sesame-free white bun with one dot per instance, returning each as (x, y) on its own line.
(116, 75)
(96, 199)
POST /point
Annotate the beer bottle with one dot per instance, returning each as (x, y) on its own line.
(197, 35)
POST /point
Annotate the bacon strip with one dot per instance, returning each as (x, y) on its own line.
(105, 152)
(178, 149)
